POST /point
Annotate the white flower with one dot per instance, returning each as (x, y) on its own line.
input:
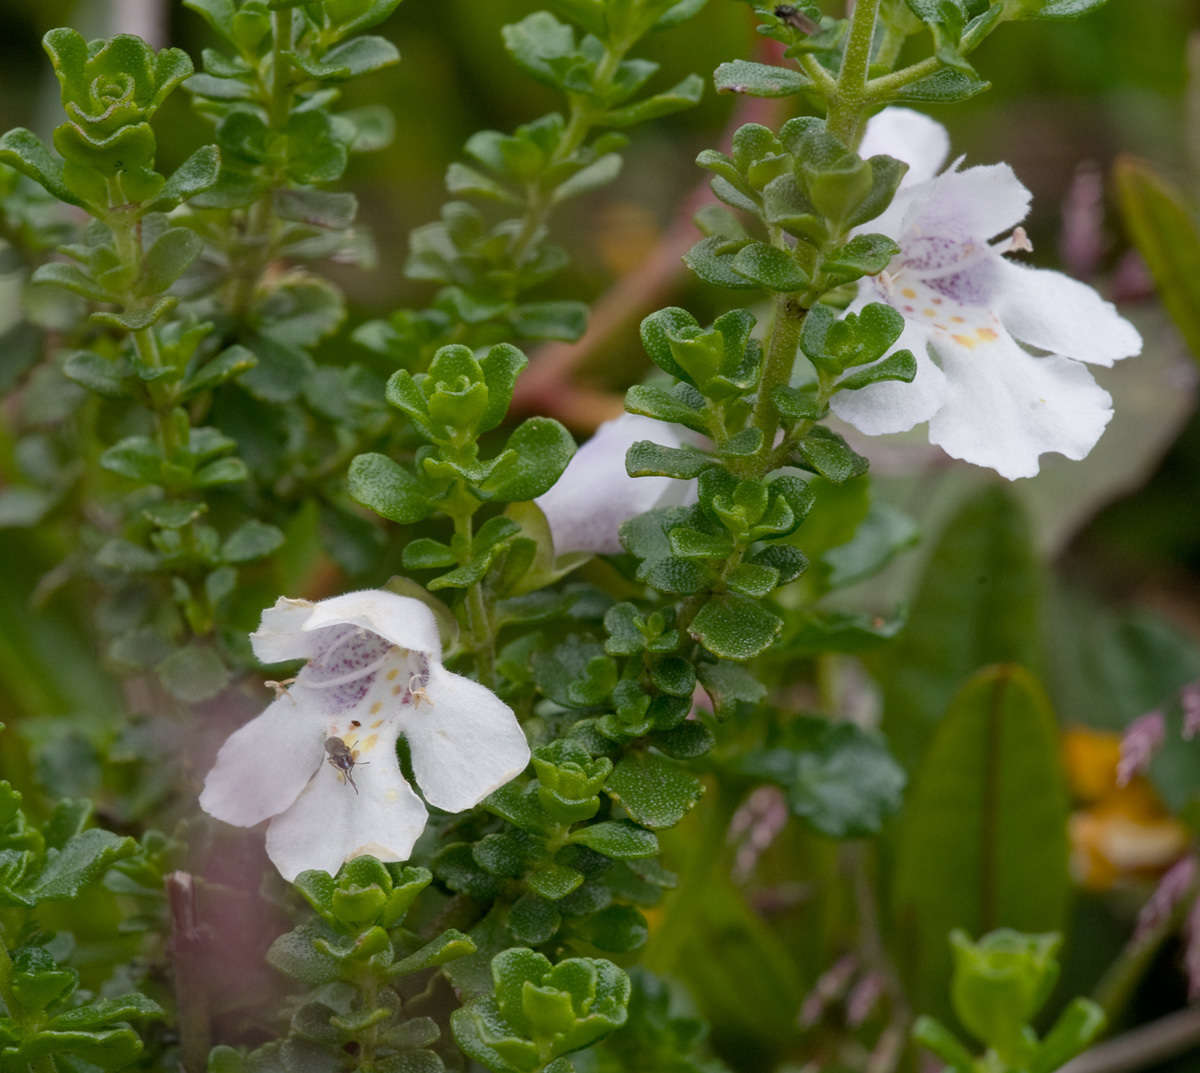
(595, 494)
(321, 763)
(987, 398)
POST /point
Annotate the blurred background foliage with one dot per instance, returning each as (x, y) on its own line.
(1089, 575)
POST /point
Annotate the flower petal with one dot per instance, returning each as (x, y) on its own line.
(922, 143)
(595, 494)
(264, 765)
(400, 619)
(330, 823)
(1056, 313)
(893, 406)
(280, 635)
(465, 741)
(973, 204)
(1005, 407)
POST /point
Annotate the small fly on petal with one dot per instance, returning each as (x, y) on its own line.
(342, 760)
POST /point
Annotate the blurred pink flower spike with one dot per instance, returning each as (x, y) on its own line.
(1189, 702)
(1142, 739)
(968, 310)
(320, 762)
(595, 494)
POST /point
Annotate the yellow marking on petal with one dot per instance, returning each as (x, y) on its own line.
(391, 795)
(965, 340)
(936, 301)
(908, 292)
(391, 675)
(927, 312)
(941, 327)
(958, 320)
(375, 708)
(397, 690)
(370, 743)
(987, 335)
(377, 724)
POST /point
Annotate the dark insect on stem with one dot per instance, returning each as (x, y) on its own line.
(341, 759)
(796, 19)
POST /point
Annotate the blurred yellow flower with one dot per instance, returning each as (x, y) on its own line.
(1120, 833)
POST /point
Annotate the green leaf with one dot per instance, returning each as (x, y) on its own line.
(759, 79)
(901, 366)
(646, 459)
(536, 454)
(167, 259)
(563, 321)
(80, 863)
(685, 94)
(653, 790)
(978, 603)
(826, 453)
(839, 777)
(735, 627)
(388, 489)
(620, 840)
(358, 56)
(979, 849)
(193, 674)
(251, 540)
(863, 255)
(27, 153)
(769, 267)
(448, 946)
(195, 175)
(541, 45)
(1050, 9)
(228, 365)
(948, 84)
(1167, 234)
(712, 260)
(104, 376)
(533, 920)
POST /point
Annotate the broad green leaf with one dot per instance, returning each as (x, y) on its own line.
(978, 603)
(983, 842)
(1167, 234)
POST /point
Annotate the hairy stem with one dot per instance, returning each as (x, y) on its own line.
(848, 104)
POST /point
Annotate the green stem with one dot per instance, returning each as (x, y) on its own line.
(887, 86)
(480, 639)
(258, 239)
(846, 109)
(583, 116)
(778, 364)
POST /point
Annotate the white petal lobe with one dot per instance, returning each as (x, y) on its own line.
(595, 494)
(1056, 313)
(330, 823)
(263, 766)
(1005, 407)
(465, 741)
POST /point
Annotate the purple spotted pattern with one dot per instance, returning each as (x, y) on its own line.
(345, 668)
